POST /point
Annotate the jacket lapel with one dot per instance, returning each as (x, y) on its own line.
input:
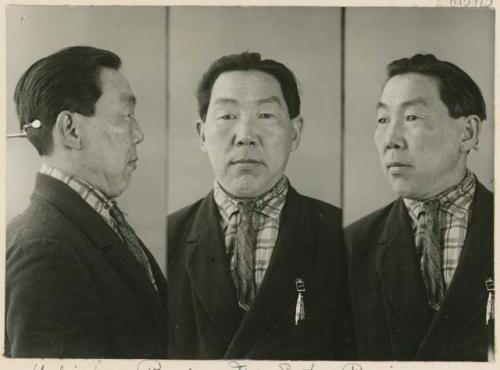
(402, 285)
(277, 291)
(98, 231)
(160, 280)
(467, 292)
(119, 257)
(208, 269)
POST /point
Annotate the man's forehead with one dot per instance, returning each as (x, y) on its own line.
(410, 89)
(255, 85)
(222, 101)
(113, 79)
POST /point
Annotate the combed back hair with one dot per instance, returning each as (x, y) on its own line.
(457, 90)
(66, 80)
(246, 62)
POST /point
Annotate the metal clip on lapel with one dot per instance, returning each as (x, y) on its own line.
(300, 313)
(490, 308)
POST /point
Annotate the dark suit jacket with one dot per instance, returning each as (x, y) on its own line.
(72, 287)
(388, 295)
(205, 319)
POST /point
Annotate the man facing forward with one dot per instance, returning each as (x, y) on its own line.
(79, 281)
(255, 269)
(421, 268)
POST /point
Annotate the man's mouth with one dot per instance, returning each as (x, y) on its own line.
(397, 165)
(246, 161)
(133, 162)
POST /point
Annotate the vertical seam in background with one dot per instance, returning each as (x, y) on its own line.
(342, 109)
(167, 127)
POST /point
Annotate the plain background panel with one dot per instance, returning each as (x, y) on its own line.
(137, 36)
(376, 37)
(307, 40)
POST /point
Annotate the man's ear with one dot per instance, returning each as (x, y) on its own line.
(200, 129)
(470, 133)
(68, 131)
(297, 124)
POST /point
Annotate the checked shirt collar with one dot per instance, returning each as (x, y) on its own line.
(269, 204)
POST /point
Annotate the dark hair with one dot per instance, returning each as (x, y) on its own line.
(244, 62)
(66, 80)
(457, 90)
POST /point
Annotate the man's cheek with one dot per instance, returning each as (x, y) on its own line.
(219, 135)
(120, 139)
(426, 145)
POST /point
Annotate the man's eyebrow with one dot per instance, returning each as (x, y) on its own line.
(225, 100)
(408, 103)
(129, 98)
(417, 101)
(271, 99)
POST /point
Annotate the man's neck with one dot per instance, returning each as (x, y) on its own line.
(69, 170)
(446, 190)
(63, 166)
(259, 196)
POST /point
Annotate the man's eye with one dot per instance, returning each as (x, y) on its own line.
(227, 117)
(131, 115)
(382, 120)
(266, 115)
(411, 117)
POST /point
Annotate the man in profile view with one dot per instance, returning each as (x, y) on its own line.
(421, 268)
(79, 281)
(256, 270)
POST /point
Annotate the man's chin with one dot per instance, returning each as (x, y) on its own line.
(249, 186)
(402, 188)
(245, 192)
(118, 188)
(245, 187)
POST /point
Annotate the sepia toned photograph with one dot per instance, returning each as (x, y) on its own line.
(249, 187)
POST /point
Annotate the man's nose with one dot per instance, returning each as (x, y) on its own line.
(394, 137)
(245, 132)
(138, 135)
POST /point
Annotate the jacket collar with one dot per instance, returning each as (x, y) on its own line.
(401, 281)
(95, 228)
(290, 260)
(208, 269)
(467, 291)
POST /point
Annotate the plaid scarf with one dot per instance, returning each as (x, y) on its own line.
(454, 217)
(266, 218)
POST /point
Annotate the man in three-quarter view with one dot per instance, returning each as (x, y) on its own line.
(256, 270)
(79, 281)
(421, 268)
